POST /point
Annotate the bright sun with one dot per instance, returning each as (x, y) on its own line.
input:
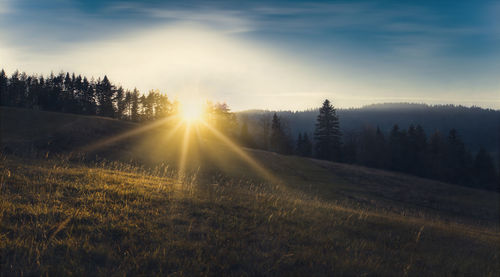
(192, 110)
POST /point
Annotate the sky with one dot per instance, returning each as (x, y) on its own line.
(279, 55)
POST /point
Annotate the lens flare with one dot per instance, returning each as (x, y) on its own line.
(192, 110)
(191, 119)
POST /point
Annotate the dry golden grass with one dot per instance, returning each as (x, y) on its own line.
(60, 218)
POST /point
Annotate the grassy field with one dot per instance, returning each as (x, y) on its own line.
(62, 214)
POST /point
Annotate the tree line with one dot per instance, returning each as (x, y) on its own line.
(439, 156)
(72, 93)
(430, 117)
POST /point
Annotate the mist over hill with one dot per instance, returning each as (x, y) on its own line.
(476, 126)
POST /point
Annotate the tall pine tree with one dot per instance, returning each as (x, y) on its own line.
(3, 88)
(276, 141)
(327, 135)
(134, 113)
(306, 146)
(245, 137)
(120, 103)
(484, 170)
(105, 93)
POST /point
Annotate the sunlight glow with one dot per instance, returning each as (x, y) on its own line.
(133, 132)
(192, 110)
(191, 121)
(184, 152)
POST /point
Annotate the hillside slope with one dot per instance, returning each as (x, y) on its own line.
(25, 128)
(377, 189)
(133, 215)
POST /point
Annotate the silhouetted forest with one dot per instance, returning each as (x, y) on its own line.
(440, 155)
(70, 93)
(478, 127)
(76, 94)
(448, 143)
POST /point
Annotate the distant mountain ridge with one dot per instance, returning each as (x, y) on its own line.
(477, 126)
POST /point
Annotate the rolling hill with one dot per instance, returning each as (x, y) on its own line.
(123, 208)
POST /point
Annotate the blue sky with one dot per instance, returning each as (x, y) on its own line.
(267, 54)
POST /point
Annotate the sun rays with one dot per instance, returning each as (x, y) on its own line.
(189, 140)
(242, 154)
(184, 150)
(192, 111)
(136, 131)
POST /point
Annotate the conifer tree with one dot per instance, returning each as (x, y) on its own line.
(245, 137)
(89, 103)
(120, 103)
(105, 92)
(148, 105)
(42, 93)
(32, 93)
(306, 146)
(416, 149)
(398, 149)
(15, 90)
(68, 85)
(135, 105)
(484, 170)
(380, 150)
(367, 150)
(128, 104)
(455, 161)
(142, 107)
(78, 88)
(498, 159)
(300, 142)
(327, 135)
(436, 152)
(223, 119)
(264, 124)
(421, 148)
(66, 96)
(277, 135)
(163, 107)
(3, 88)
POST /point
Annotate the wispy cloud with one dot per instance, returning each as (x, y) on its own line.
(226, 20)
(492, 18)
(397, 29)
(312, 8)
(5, 7)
